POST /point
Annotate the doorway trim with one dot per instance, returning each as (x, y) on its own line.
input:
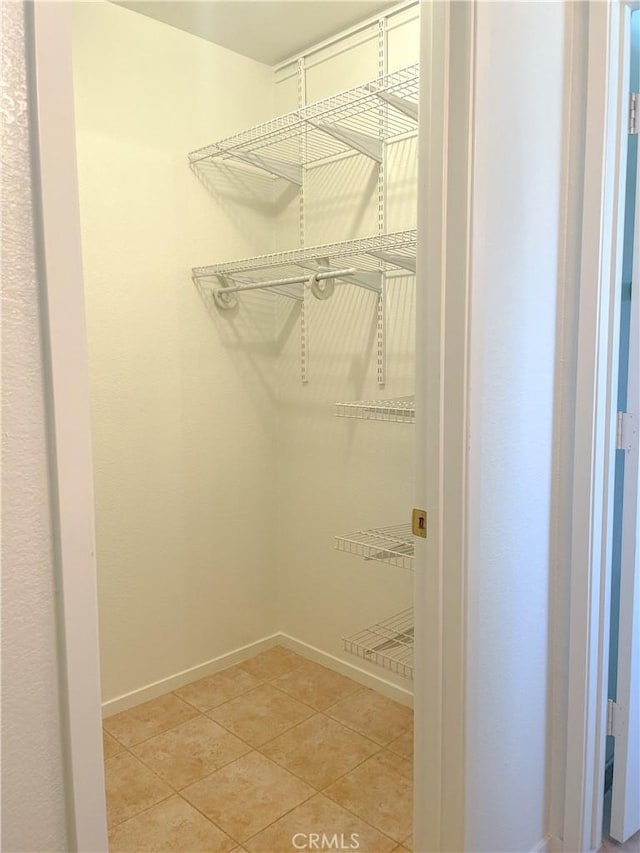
(440, 711)
(54, 167)
(442, 304)
(595, 421)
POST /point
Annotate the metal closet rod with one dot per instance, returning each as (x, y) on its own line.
(297, 279)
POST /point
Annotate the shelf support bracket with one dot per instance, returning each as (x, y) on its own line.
(367, 145)
(291, 172)
(404, 106)
(401, 261)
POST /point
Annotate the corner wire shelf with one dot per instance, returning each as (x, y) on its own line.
(391, 545)
(365, 262)
(346, 122)
(388, 643)
(362, 261)
(400, 410)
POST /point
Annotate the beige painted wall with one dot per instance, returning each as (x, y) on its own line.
(201, 424)
(338, 475)
(183, 401)
(33, 793)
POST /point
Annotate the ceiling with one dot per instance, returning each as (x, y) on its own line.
(269, 31)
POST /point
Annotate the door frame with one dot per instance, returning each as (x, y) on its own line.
(448, 33)
(595, 421)
(445, 174)
(440, 408)
(57, 222)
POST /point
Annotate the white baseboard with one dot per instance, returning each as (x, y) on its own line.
(172, 682)
(376, 682)
(548, 844)
(179, 679)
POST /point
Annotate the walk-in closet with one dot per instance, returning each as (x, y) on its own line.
(248, 183)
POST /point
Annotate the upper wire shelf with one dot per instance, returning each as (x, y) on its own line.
(401, 410)
(359, 119)
(393, 545)
(388, 643)
(362, 262)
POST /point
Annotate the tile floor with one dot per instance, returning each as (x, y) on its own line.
(246, 758)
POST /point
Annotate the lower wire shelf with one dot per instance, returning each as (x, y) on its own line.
(388, 643)
(393, 545)
(400, 410)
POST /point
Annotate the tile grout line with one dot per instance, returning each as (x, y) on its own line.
(359, 817)
(360, 688)
(263, 682)
(141, 812)
(200, 812)
(325, 793)
(175, 792)
(316, 791)
(157, 734)
(284, 814)
(355, 731)
(320, 794)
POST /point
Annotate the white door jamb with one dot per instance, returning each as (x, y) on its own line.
(60, 269)
(595, 422)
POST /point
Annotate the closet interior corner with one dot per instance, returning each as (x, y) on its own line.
(249, 240)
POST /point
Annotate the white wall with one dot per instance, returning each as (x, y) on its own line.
(183, 400)
(33, 795)
(514, 286)
(199, 416)
(335, 475)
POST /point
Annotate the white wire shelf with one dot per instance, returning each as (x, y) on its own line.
(392, 545)
(362, 262)
(359, 119)
(400, 410)
(388, 643)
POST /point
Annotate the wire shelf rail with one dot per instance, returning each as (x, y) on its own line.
(346, 122)
(391, 545)
(388, 643)
(400, 410)
(362, 261)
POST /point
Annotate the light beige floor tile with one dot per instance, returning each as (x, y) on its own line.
(215, 689)
(373, 715)
(272, 663)
(131, 788)
(260, 715)
(247, 795)
(110, 746)
(380, 792)
(172, 826)
(190, 752)
(316, 685)
(403, 745)
(149, 719)
(320, 750)
(319, 815)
